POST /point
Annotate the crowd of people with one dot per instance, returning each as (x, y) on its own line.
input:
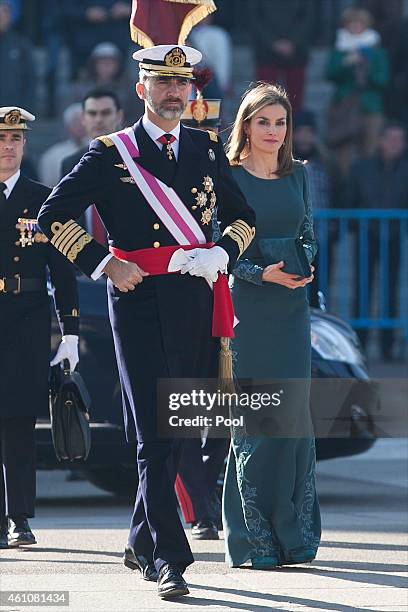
(366, 56)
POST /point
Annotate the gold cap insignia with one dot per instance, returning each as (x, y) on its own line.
(175, 57)
(13, 117)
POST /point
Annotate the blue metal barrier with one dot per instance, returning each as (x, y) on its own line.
(365, 224)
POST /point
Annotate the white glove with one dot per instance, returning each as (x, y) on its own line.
(68, 349)
(206, 263)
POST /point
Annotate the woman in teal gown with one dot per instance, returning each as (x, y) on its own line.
(270, 508)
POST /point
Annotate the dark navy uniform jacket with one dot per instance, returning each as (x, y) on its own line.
(25, 316)
(163, 327)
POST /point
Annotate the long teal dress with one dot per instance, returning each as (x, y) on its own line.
(270, 505)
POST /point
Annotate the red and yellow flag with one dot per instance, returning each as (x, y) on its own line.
(166, 22)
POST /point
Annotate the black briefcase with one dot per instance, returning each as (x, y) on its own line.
(69, 412)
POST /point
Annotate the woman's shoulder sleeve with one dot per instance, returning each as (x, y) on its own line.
(299, 172)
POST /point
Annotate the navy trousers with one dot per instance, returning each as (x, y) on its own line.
(154, 339)
(17, 457)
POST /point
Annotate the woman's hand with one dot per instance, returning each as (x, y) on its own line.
(275, 274)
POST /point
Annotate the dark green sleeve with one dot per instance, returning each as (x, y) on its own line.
(247, 270)
(306, 230)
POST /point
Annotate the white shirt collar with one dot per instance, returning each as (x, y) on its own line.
(155, 132)
(10, 183)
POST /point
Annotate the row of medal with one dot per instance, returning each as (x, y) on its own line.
(206, 198)
(29, 232)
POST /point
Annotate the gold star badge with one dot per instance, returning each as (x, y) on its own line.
(201, 199)
(206, 216)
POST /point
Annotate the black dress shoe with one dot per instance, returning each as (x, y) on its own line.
(20, 533)
(171, 583)
(204, 530)
(3, 533)
(139, 562)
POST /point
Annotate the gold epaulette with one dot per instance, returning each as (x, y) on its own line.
(69, 238)
(242, 233)
(108, 142)
(213, 136)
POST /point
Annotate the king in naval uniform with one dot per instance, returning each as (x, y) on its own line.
(155, 186)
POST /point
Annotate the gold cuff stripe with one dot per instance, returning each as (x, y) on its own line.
(244, 229)
(67, 245)
(242, 226)
(82, 240)
(58, 229)
(241, 232)
(78, 246)
(62, 240)
(69, 238)
(64, 234)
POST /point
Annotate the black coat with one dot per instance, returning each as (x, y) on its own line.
(163, 328)
(25, 317)
(69, 162)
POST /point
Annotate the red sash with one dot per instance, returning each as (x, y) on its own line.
(156, 261)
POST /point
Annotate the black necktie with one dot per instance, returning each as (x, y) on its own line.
(3, 199)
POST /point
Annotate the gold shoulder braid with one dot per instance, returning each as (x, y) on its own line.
(69, 238)
(213, 136)
(108, 142)
(242, 233)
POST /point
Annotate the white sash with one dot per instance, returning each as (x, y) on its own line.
(165, 202)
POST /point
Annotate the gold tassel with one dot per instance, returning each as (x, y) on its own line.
(194, 17)
(202, 9)
(225, 375)
(139, 37)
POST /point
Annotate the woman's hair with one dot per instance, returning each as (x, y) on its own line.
(258, 96)
(354, 13)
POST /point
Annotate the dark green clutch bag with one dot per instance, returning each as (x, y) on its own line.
(289, 250)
